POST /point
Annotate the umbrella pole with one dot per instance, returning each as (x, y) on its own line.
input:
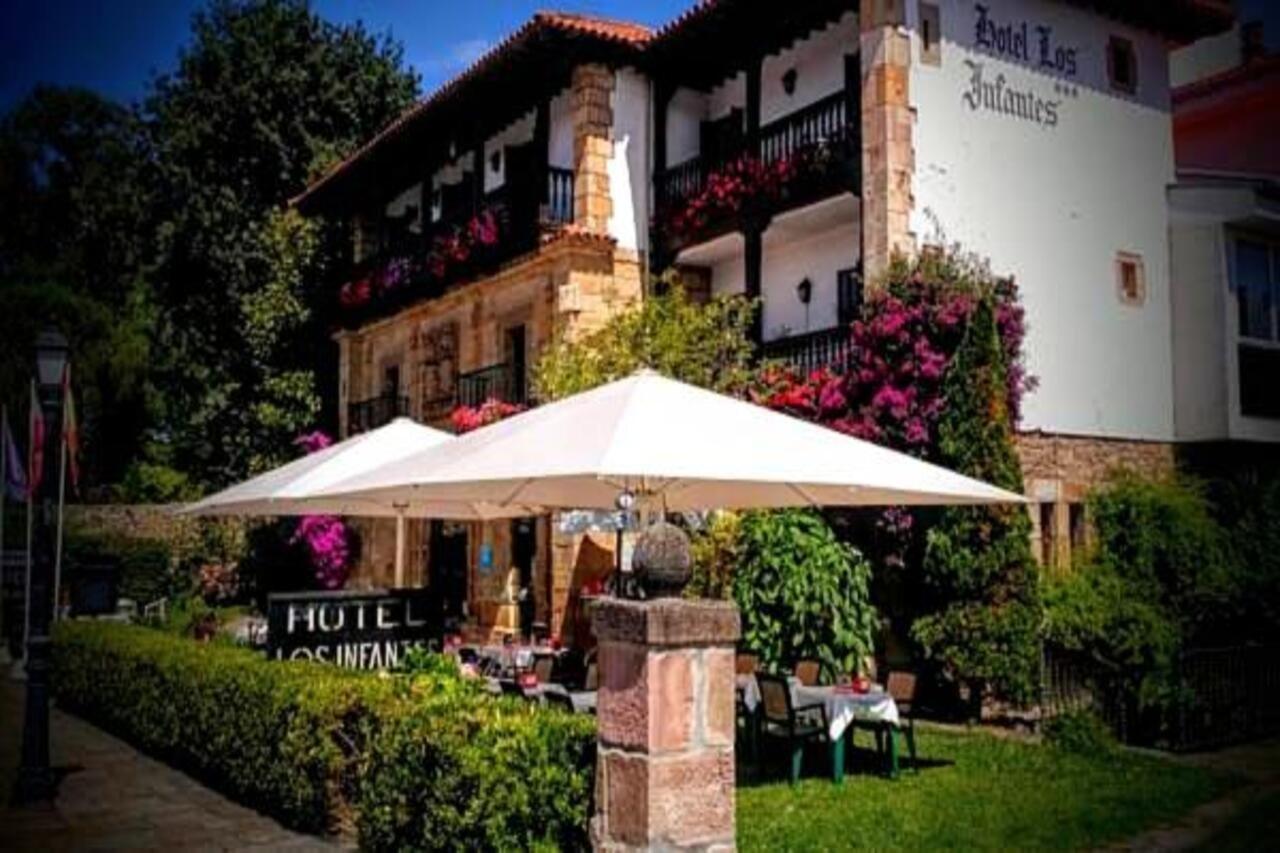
(400, 547)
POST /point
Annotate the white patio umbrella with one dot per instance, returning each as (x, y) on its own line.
(295, 488)
(672, 445)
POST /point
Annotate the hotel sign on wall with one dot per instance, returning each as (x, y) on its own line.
(358, 630)
(1032, 45)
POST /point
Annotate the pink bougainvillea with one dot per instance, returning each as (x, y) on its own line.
(326, 537)
(891, 390)
(468, 418)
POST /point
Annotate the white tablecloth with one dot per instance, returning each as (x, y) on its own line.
(842, 707)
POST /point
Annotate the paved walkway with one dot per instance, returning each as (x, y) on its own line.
(114, 798)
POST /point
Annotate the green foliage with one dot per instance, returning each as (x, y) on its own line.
(152, 483)
(704, 344)
(1160, 538)
(803, 594)
(71, 249)
(147, 570)
(715, 557)
(425, 759)
(264, 94)
(1080, 732)
(459, 773)
(979, 577)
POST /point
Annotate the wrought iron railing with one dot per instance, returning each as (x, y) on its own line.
(811, 351)
(822, 124)
(495, 382)
(365, 415)
(825, 125)
(559, 209)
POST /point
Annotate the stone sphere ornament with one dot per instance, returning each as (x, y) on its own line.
(662, 561)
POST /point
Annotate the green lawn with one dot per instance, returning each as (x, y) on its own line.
(981, 792)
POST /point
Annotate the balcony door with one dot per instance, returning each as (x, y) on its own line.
(516, 346)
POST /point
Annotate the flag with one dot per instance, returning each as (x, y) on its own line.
(35, 455)
(15, 474)
(70, 430)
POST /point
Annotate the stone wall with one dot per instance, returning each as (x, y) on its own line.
(888, 153)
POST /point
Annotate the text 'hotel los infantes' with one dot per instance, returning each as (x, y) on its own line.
(541, 189)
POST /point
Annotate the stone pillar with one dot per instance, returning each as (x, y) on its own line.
(344, 382)
(888, 152)
(592, 93)
(665, 771)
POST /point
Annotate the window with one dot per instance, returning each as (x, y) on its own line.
(930, 34)
(1048, 549)
(1079, 531)
(1131, 279)
(391, 381)
(1255, 278)
(1255, 290)
(848, 294)
(1122, 65)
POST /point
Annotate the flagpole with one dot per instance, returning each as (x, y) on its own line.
(31, 450)
(62, 491)
(4, 497)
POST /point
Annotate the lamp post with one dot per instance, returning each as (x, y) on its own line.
(35, 777)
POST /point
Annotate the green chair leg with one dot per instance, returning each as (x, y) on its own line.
(892, 733)
(911, 746)
(837, 760)
(797, 762)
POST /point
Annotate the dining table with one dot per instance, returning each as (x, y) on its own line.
(843, 707)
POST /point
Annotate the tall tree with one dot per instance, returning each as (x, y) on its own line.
(265, 97)
(980, 581)
(73, 251)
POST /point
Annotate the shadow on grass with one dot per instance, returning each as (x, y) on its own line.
(773, 762)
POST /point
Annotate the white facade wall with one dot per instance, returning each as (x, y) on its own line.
(517, 133)
(790, 256)
(1052, 201)
(629, 168)
(1198, 266)
(819, 65)
(560, 114)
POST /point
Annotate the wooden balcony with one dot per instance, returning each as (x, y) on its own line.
(821, 143)
(413, 265)
(365, 415)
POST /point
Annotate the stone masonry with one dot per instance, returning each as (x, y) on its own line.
(592, 92)
(888, 152)
(665, 770)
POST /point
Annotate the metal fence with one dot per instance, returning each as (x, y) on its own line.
(1219, 696)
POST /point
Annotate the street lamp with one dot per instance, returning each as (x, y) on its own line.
(35, 776)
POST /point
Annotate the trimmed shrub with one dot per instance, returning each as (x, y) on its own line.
(413, 761)
(1079, 732)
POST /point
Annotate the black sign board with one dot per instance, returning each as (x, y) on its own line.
(367, 629)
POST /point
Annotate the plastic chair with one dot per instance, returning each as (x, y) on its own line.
(781, 718)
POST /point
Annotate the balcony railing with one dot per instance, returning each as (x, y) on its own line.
(495, 382)
(822, 129)
(824, 125)
(365, 415)
(811, 351)
(447, 252)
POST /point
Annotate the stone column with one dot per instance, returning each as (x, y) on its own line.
(888, 151)
(592, 98)
(665, 771)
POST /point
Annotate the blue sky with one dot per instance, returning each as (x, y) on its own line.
(115, 47)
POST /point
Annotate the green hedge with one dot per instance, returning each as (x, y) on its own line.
(413, 761)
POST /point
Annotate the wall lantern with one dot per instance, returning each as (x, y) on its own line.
(804, 291)
(51, 358)
(789, 81)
